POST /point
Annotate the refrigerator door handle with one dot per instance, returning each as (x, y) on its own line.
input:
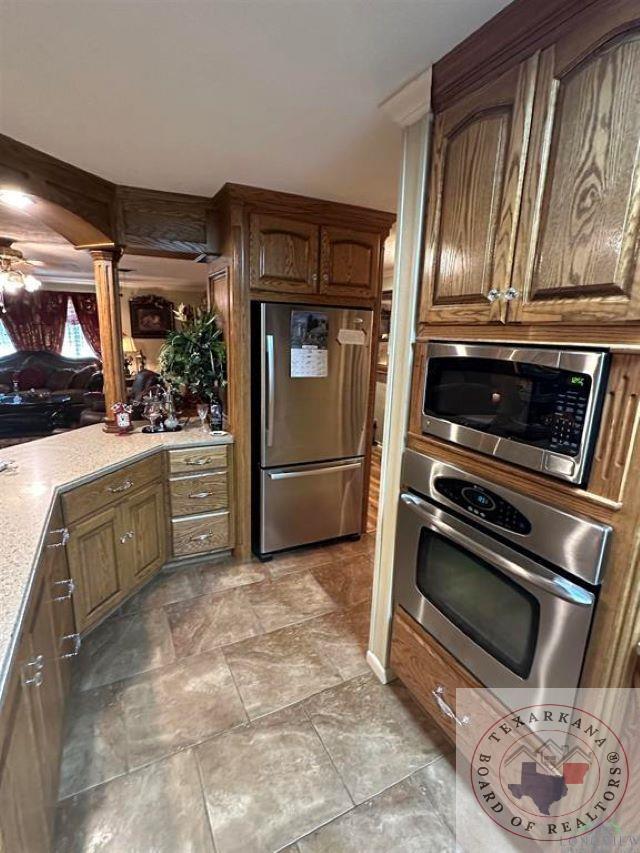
(271, 382)
(287, 475)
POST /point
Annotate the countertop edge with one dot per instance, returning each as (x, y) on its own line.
(7, 661)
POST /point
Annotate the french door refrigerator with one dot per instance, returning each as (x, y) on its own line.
(311, 368)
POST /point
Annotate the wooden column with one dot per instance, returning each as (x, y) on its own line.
(105, 272)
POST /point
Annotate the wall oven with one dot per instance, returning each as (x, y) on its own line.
(506, 584)
(534, 406)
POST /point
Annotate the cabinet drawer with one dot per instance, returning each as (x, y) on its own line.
(197, 534)
(204, 493)
(103, 491)
(428, 670)
(197, 459)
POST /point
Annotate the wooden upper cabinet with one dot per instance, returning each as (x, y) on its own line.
(479, 155)
(349, 262)
(283, 254)
(577, 247)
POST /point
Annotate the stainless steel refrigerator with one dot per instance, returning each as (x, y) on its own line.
(310, 380)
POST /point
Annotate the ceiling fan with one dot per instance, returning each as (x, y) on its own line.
(12, 278)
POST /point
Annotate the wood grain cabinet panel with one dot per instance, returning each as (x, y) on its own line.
(479, 154)
(24, 811)
(349, 262)
(97, 566)
(201, 533)
(428, 670)
(106, 490)
(577, 249)
(197, 459)
(144, 550)
(204, 493)
(283, 254)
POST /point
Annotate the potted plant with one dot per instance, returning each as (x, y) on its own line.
(193, 360)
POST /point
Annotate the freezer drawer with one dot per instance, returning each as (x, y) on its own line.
(310, 503)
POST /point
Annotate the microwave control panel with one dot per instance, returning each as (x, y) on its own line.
(483, 503)
(568, 419)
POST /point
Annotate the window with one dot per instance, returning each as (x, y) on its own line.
(75, 345)
(6, 346)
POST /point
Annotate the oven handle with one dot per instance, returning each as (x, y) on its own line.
(541, 578)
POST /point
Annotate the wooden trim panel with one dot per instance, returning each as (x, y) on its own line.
(422, 664)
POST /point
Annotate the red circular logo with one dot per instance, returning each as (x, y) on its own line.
(549, 772)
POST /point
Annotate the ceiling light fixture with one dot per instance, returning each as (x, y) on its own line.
(15, 198)
(12, 279)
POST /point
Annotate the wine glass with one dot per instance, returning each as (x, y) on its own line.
(203, 410)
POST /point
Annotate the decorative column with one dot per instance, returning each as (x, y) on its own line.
(410, 109)
(105, 272)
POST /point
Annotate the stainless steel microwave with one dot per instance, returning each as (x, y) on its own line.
(535, 406)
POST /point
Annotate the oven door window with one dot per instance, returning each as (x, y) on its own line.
(498, 614)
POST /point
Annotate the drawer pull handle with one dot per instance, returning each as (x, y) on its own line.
(71, 588)
(64, 537)
(199, 495)
(77, 642)
(36, 666)
(126, 537)
(446, 709)
(123, 487)
(199, 460)
(201, 537)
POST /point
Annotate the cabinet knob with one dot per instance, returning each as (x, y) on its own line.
(123, 487)
(511, 293)
(31, 675)
(201, 537)
(325, 278)
(447, 710)
(494, 294)
(126, 536)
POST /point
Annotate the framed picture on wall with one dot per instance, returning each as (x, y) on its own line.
(151, 316)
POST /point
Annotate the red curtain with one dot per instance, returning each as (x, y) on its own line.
(86, 308)
(36, 321)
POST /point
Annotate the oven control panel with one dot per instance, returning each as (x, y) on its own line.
(483, 503)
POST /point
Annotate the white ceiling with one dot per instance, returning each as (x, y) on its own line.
(184, 95)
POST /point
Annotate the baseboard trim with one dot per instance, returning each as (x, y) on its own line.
(382, 673)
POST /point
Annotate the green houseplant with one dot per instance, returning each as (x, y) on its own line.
(193, 360)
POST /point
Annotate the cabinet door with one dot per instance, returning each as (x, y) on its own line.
(47, 696)
(576, 260)
(479, 155)
(24, 812)
(145, 534)
(283, 254)
(95, 562)
(349, 262)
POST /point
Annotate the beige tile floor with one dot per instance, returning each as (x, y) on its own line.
(230, 708)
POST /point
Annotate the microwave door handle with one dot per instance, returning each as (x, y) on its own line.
(541, 578)
(271, 381)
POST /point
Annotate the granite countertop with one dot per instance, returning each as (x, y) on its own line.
(45, 468)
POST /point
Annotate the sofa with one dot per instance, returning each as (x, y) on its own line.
(52, 373)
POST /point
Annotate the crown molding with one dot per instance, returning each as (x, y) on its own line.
(411, 102)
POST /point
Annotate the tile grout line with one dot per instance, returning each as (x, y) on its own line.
(204, 798)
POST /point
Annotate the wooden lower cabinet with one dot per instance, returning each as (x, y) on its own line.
(428, 670)
(144, 519)
(32, 718)
(113, 551)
